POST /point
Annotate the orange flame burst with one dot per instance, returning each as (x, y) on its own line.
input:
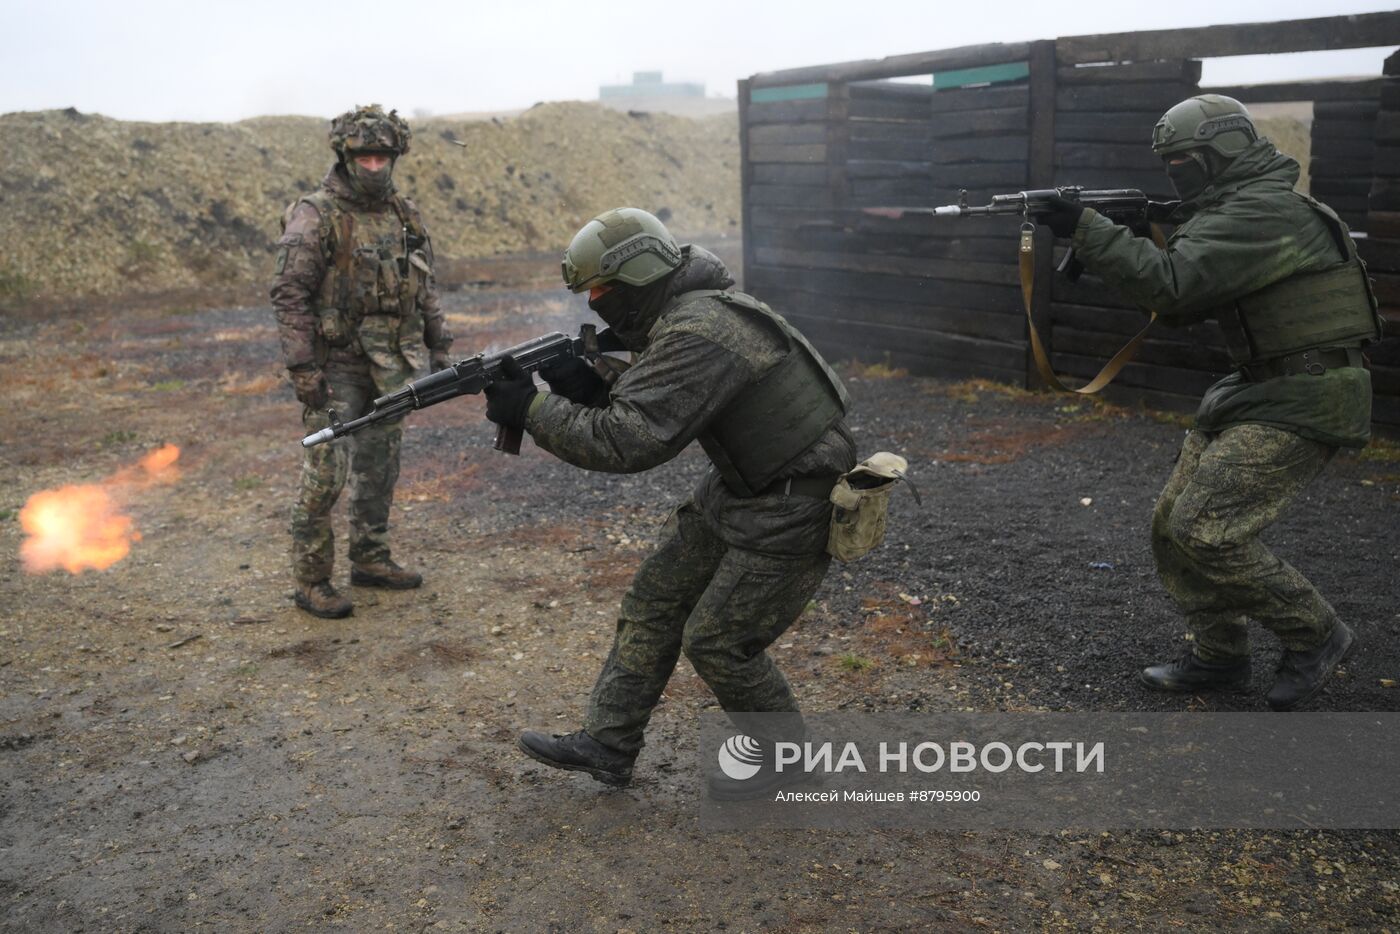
(81, 527)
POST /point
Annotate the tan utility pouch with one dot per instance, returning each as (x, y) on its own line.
(860, 500)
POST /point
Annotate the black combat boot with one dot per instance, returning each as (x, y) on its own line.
(578, 752)
(1189, 673)
(1302, 674)
(321, 599)
(385, 574)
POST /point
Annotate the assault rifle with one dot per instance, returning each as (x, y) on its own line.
(1121, 205)
(471, 376)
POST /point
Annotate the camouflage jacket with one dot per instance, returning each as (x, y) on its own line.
(700, 355)
(1249, 229)
(330, 294)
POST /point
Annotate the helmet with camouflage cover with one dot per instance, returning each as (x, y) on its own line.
(369, 129)
(625, 245)
(1211, 121)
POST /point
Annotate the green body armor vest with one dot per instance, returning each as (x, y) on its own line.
(782, 415)
(1331, 308)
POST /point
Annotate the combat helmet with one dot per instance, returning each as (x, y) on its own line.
(1211, 121)
(622, 245)
(369, 129)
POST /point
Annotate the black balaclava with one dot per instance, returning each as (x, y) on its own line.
(373, 186)
(631, 310)
(1193, 176)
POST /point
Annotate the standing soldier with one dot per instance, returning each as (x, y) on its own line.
(356, 305)
(739, 561)
(1279, 272)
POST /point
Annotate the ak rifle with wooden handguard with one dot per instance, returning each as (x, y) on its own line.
(1126, 206)
(467, 377)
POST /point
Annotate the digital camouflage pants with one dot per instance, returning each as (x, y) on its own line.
(369, 459)
(1226, 488)
(719, 605)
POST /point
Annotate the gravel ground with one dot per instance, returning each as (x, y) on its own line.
(279, 772)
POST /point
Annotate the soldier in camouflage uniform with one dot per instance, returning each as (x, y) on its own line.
(356, 307)
(1279, 272)
(739, 561)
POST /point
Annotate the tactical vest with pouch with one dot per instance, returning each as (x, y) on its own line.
(1333, 308)
(377, 265)
(781, 416)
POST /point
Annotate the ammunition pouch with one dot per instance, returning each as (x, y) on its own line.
(860, 503)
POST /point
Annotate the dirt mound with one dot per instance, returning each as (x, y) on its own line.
(92, 206)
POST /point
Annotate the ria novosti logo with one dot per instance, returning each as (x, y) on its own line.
(740, 757)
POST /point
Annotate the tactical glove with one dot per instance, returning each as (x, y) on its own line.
(576, 381)
(311, 388)
(508, 399)
(438, 360)
(1063, 216)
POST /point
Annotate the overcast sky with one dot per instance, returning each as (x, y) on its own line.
(166, 60)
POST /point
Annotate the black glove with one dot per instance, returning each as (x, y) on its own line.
(575, 380)
(311, 388)
(1159, 212)
(438, 360)
(508, 399)
(1063, 216)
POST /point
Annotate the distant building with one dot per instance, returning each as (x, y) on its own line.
(647, 85)
(648, 93)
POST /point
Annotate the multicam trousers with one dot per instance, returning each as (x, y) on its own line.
(722, 607)
(1226, 488)
(369, 459)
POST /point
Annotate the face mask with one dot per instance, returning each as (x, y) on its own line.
(617, 310)
(1189, 178)
(373, 185)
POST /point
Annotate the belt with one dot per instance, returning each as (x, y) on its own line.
(814, 487)
(1314, 362)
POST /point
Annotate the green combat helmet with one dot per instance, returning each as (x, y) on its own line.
(1212, 121)
(622, 245)
(369, 129)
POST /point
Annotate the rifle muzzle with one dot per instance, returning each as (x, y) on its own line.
(320, 437)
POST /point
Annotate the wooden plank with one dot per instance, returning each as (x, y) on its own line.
(1344, 187)
(898, 66)
(884, 129)
(901, 110)
(1002, 176)
(1106, 128)
(838, 142)
(1318, 91)
(1106, 156)
(883, 192)
(1358, 31)
(885, 263)
(1152, 182)
(1098, 98)
(798, 152)
(1326, 167)
(1182, 71)
(787, 112)
(988, 149)
(788, 133)
(1387, 126)
(995, 122)
(1177, 354)
(1380, 255)
(950, 246)
(1123, 323)
(1384, 224)
(998, 327)
(880, 168)
(1364, 109)
(1187, 383)
(888, 150)
(779, 173)
(1384, 195)
(1088, 290)
(791, 195)
(920, 290)
(746, 181)
(1339, 147)
(999, 229)
(992, 98)
(973, 351)
(1387, 287)
(890, 90)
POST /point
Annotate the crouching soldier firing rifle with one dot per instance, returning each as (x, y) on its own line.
(739, 561)
(1280, 273)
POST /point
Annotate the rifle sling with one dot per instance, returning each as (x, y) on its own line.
(1112, 368)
